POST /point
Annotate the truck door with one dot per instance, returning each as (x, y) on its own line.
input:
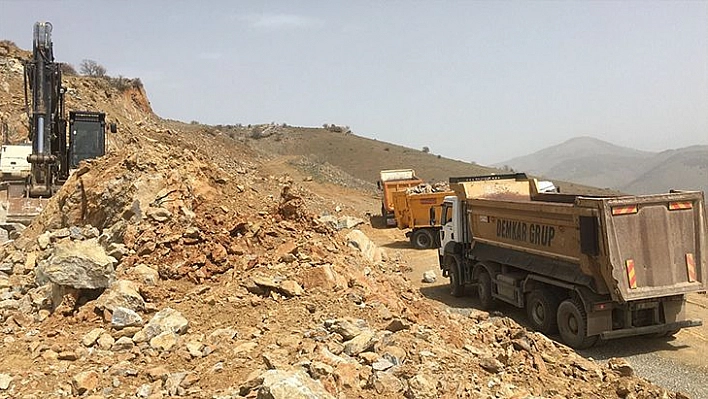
(450, 222)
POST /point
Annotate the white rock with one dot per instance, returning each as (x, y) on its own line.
(5, 381)
(429, 277)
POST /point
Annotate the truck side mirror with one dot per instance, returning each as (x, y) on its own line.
(432, 216)
(378, 184)
(113, 128)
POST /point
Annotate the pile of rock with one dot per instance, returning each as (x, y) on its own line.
(425, 188)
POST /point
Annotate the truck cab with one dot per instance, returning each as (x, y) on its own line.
(450, 221)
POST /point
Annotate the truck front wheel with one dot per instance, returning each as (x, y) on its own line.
(541, 308)
(457, 288)
(422, 239)
(572, 324)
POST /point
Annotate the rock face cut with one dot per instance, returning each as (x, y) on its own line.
(80, 265)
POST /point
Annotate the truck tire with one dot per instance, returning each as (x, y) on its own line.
(541, 309)
(422, 239)
(484, 291)
(457, 287)
(572, 325)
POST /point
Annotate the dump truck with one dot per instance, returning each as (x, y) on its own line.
(419, 212)
(391, 181)
(584, 266)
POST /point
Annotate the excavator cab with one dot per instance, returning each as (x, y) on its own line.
(87, 136)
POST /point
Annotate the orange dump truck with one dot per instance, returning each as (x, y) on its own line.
(587, 267)
(391, 181)
(419, 212)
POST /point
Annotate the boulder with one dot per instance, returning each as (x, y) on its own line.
(290, 288)
(358, 240)
(164, 341)
(159, 214)
(621, 366)
(105, 341)
(92, 336)
(145, 274)
(78, 264)
(122, 293)
(279, 384)
(422, 387)
(167, 319)
(345, 328)
(385, 382)
(124, 317)
(345, 222)
(85, 381)
(362, 342)
(322, 277)
(123, 344)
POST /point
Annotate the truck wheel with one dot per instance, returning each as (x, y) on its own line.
(484, 290)
(572, 324)
(541, 309)
(457, 287)
(422, 239)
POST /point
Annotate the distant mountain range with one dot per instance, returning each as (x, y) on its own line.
(593, 162)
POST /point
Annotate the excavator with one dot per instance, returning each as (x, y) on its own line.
(53, 152)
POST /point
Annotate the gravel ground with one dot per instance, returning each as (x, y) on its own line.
(642, 354)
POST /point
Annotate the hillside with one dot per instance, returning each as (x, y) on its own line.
(185, 263)
(597, 163)
(361, 157)
(684, 169)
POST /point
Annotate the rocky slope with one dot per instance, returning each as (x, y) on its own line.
(175, 266)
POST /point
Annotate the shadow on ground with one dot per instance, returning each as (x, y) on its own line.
(398, 245)
(603, 350)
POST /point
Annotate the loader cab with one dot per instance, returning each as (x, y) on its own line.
(450, 219)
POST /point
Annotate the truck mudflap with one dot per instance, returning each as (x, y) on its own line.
(659, 328)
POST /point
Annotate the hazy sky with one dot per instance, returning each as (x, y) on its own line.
(478, 81)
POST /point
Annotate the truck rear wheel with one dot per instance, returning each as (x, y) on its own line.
(457, 287)
(484, 290)
(422, 239)
(541, 309)
(572, 325)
